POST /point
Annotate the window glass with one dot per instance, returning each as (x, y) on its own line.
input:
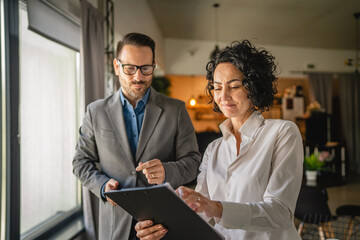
(49, 74)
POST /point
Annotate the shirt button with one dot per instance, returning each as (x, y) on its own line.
(133, 173)
(133, 116)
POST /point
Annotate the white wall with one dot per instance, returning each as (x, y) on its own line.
(136, 16)
(179, 60)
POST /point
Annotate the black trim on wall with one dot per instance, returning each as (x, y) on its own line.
(11, 20)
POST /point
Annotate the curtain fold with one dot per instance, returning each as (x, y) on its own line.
(92, 51)
(349, 85)
(320, 86)
(92, 24)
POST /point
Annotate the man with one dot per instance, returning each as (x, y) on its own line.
(138, 137)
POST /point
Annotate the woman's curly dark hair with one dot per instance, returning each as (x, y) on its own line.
(258, 68)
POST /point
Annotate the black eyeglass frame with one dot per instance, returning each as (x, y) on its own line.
(137, 67)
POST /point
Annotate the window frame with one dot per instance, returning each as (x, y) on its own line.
(10, 147)
(11, 157)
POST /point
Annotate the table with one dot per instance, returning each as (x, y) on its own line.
(325, 180)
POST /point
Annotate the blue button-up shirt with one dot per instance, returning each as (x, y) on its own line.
(133, 118)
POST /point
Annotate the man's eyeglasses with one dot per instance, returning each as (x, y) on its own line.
(130, 69)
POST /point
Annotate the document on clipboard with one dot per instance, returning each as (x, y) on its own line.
(161, 204)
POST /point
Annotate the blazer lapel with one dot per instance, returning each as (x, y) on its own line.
(151, 117)
(116, 116)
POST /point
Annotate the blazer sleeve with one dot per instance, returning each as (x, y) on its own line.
(86, 158)
(187, 157)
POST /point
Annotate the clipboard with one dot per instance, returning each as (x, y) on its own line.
(161, 204)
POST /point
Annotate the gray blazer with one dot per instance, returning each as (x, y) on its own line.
(103, 152)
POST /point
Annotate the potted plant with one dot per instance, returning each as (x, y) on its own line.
(314, 108)
(161, 84)
(314, 163)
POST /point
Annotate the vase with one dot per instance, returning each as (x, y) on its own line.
(311, 175)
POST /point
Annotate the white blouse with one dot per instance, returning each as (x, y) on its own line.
(259, 187)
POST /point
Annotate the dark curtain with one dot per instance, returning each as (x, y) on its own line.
(92, 24)
(349, 85)
(93, 50)
(320, 86)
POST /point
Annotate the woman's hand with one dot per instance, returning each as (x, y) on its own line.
(199, 203)
(147, 231)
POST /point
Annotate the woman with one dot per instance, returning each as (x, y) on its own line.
(250, 178)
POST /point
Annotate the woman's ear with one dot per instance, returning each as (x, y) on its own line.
(116, 67)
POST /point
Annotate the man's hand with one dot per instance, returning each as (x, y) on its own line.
(153, 170)
(145, 230)
(112, 184)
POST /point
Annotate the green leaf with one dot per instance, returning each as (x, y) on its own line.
(312, 163)
(161, 84)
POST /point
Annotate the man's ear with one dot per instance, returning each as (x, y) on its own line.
(116, 67)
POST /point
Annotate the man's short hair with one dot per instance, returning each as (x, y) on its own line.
(136, 39)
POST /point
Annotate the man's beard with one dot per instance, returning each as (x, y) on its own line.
(138, 95)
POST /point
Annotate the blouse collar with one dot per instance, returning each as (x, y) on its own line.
(248, 129)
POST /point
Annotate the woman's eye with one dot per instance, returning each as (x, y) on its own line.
(234, 87)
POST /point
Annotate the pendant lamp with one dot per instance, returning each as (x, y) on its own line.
(217, 49)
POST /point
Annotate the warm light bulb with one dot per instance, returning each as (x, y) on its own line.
(192, 102)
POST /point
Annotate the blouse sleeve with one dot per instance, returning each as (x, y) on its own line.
(201, 185)
(276, 209)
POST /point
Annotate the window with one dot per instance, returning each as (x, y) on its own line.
(48, 122)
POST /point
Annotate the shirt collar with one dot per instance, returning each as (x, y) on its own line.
(144, 100)
(248, 129)
(226, 128)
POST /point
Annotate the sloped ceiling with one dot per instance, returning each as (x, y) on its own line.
(307, 23)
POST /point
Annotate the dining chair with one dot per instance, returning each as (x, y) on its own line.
(352, 211)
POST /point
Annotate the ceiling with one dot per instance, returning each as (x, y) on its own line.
(298, 23)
